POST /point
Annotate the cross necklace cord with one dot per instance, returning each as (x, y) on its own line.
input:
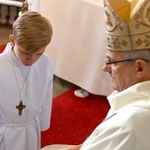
(20, 106)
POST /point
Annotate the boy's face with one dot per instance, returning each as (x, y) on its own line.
(24, 57)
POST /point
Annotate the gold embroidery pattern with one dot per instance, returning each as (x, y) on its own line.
(132, 35)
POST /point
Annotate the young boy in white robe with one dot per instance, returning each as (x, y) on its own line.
(127, 124)
(26, 81)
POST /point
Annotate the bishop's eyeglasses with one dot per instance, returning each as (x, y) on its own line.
(108, 61)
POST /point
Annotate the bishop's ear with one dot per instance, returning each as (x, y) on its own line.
(141, 67)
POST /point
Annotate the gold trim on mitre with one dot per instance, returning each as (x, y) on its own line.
(127, 24)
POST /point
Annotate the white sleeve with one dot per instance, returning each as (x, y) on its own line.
(45, 115)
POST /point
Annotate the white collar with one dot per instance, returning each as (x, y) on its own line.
(137, 95)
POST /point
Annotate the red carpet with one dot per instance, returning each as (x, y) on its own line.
(74, 118)
(2, 48)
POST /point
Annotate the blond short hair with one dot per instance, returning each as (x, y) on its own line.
(32, 31)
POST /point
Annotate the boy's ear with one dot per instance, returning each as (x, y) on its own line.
(11, 39)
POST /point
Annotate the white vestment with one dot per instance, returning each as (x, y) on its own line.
(127, 125)
(22, 132)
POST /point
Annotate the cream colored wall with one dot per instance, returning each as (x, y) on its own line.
(98, 2)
